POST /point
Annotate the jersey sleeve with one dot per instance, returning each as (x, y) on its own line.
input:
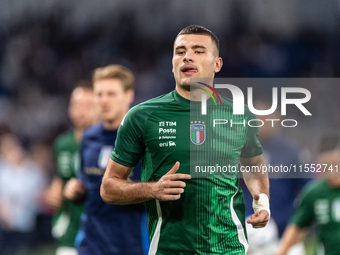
(303, 215)
(129, 145)
(252, 146)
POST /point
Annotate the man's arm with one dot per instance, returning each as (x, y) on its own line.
(53, 195)
(257, 183)
(75, 191)
(292, 235)
(117, 189)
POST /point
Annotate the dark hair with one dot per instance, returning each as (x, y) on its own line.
(329, 141)
(199, 30)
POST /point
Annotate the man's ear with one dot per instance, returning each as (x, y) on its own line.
(130, 96)
(218, 64)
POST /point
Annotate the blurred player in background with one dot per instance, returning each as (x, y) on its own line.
(319, 202)
(107, 229)
(192, 216)
(66, 150)
(277, 151)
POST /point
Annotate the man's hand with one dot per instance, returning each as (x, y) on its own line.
(169, 187)
(53, 195)
(259, 219)
(53, 199)
(74, 190)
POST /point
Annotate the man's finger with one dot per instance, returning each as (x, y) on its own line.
(174, 191)
(262, 216)
(259, 225)
(255, 218)
(179, 176)
(174, 169)
(170, 197)
(252, 221)
(174, 184)
(254, 215)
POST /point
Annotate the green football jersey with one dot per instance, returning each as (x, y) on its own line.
(320, 203)
(209, 217)
(66, 221)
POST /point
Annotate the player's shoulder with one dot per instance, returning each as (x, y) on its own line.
(65, 139)
(155, 102)
(314, 188)
(144, 109)
(248, 113)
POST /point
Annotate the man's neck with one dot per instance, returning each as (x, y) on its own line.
(113, 124)
(78, 134)
(334, 184)
(193, 94)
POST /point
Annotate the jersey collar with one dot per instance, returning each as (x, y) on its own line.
(188, 103)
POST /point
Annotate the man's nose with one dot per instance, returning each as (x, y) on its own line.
(188, 57)
(104, 99)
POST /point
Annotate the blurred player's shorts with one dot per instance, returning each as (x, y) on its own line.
(265, 241)
(66, 251)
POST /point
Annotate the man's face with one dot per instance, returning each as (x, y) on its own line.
(111, 99)
(81, 109)
(195, 56)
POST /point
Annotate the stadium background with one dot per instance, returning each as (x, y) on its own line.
(46, 47)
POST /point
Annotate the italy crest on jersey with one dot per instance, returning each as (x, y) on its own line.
(197, 134)
(336, 210)
(104, 156)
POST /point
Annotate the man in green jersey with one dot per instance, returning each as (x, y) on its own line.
(319, 202)
(188, 215)
(66, 150)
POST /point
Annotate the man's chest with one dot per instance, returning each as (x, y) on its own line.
(187, 132)
(327, 211)
(95, 157)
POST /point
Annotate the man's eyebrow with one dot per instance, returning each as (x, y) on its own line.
(193, 47)
(180, 47)
(198, 46)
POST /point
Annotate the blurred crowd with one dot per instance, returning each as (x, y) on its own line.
(46, 52)
(41, 60)
(24, 175)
